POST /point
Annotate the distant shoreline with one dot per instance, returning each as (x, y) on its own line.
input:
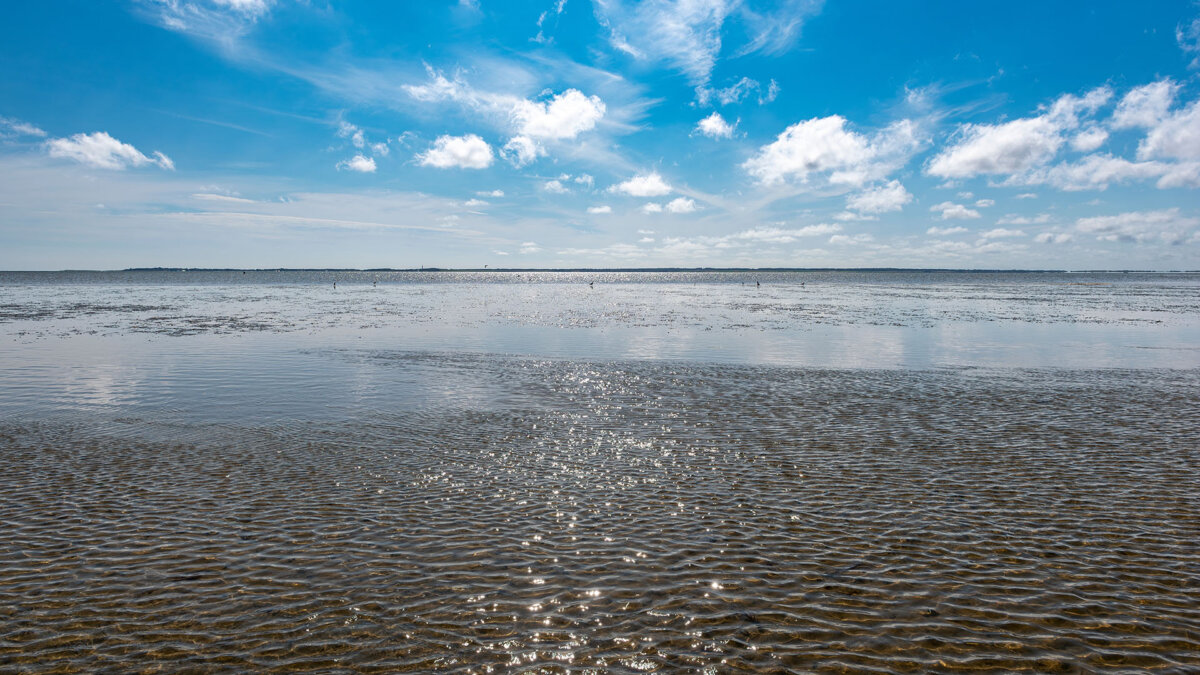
(615, 269)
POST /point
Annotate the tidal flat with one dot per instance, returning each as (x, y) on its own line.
(599, 472)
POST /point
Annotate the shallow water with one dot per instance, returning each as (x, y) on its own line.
(491, 492)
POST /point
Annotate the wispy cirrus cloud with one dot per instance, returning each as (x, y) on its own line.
(689, 35)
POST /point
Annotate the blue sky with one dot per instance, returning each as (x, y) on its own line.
(599, 133)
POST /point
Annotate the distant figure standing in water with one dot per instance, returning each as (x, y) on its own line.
(757, 285)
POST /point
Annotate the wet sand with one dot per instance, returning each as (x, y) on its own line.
(275, 502)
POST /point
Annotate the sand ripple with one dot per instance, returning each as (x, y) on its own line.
(623, 517)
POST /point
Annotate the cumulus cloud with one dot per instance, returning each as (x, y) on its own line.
(681, 205)
(823, 145)
(564, 116)
(1167, 225)
(985, 203)
(881, 199)
(493, 193)
(715, 126)
(585, 180)
(355, 134)
(602, 209)
(652, 207)
(643, 185)
(359, 163)
(1053, 238)
(850, 240)
(1016, 146)
(521, 150)
(529, 247)
(1097, 172)
(1089, 139)
(555, 187)
(1144, 106)
(945, 231)
(1175, 137)
(950, 210)
(1000, 233)
(464, 152)
(532, 123)
(104, 152)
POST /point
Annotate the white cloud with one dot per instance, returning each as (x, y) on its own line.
(985, 203)
(532, 123)
(944, 231)
(888, 197)
(1027, 195)
(10, 128)
(521, 150)
(1001, 233)
(1013, 219)
(214, 197)
(585, 180)
(358, 163)
(493, 193)
(1016, 146)
(564, 116)
(474, 203)
(643, 185)
(646, 240)
(1144, 106)
(380, 149)
(681, 205)
(355, 134)
(1188, 37)
(688, 33)
(756, 235)
(1097, 172)
(951, 210)
(555, 187)
(1176, 137)
(1167, 225)
(715, 126)
(464, 152)
(825, 145)
(1089, 139)
(1053, 238)
(652, 207)
(529, 247)
(851, 215)
(737, 92)
(219, 20)
(850, 240)
(605, 208)
(104, 152)
(250, 7)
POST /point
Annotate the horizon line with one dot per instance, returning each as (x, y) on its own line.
(601, 269)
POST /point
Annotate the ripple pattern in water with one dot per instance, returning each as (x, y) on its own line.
(624, 517)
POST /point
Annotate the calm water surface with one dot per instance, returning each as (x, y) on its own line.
(827, 472)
